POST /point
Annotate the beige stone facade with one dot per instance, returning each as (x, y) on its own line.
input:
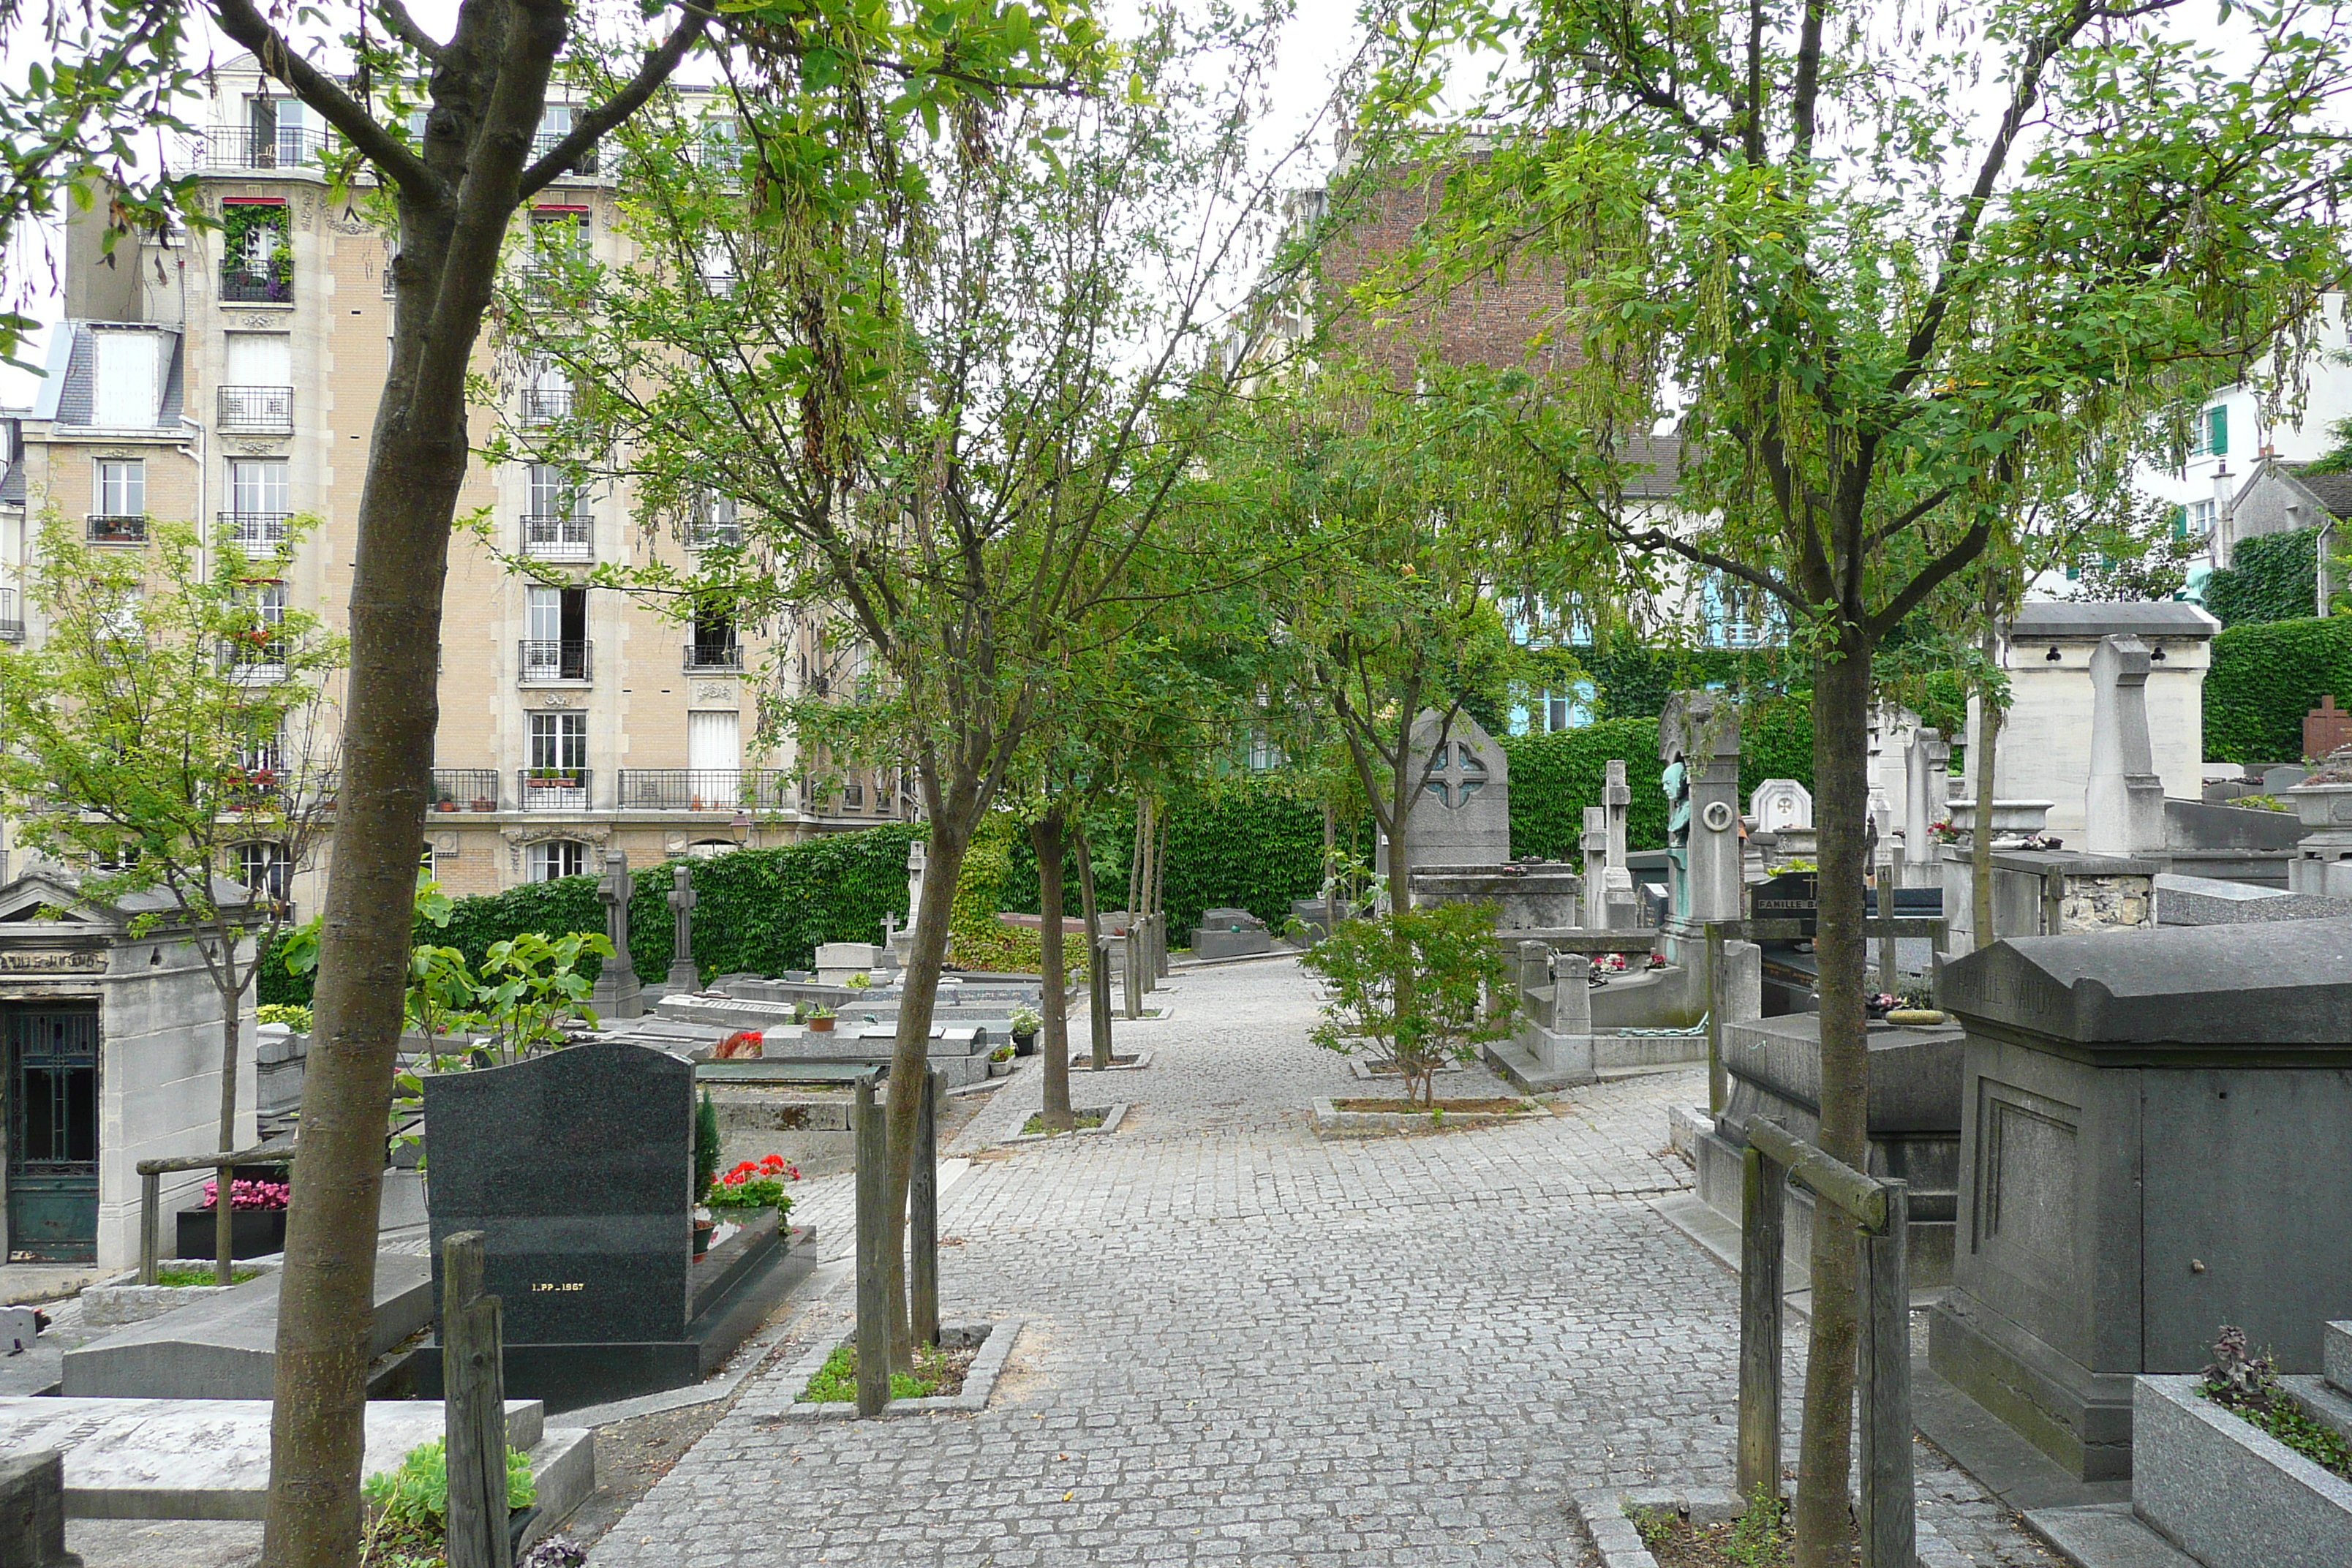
(573, 719)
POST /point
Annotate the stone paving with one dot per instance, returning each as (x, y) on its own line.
(1247, 1344)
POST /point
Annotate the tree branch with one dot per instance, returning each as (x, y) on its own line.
(404, 26)
(1929, 579)
(589, 126)
(241, 22)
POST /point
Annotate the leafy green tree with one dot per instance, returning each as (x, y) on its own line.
(172, 744)
(1442, 1015)
(1885, 322)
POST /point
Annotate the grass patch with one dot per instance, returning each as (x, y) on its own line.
(1082, 1121)
(1760, 1538)
(185, 1276)
(1495, 1105)
(936, 1372)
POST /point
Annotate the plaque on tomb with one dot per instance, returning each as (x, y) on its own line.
(578, 1168)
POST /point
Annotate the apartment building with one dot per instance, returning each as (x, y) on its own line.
(230, 377)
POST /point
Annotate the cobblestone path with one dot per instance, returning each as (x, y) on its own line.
(1246, 1344)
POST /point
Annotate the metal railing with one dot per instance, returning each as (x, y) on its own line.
(713, 533)
(547, 141)
(544, 406)
(110, 528)
(257, 410)
(553, 789)
(1887, 1510)
(720, 657)
(284, 148)
(704, 789)
(240, 287)
(12, 629)
(245, 529)
(224, 1166)
(558, 536)
(466, 789)
(550, 658)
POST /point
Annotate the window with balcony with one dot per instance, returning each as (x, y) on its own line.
(280, 134)
(556, 647)
(12, 625)
(257, 393)
(257, 251)
(557, 524)
(258, 503)
(558, 858)
(557, 779)
(263, 867)
(258, 651)
(120, 488)
(546, 395)
(714, 646)
(559, 240)
(711, 522)
(555, 123)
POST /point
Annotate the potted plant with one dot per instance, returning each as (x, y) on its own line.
(1026, 1021)
(819, 1019)
(256, 1219)
(484, 803)
(444, 804)
(706, 1171)
(1000, 1061)
(753, 1185)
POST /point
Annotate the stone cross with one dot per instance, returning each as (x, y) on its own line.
(1616, 800)
(1595, 845)
(2123, 804)
(683, 975)
(914, 877)
(617, 993)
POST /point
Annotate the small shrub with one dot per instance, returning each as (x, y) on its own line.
(1423, 987)
(293, 1015)
(705, 1147)
(411, 1503)
(835, 1381)
(2247, 1386)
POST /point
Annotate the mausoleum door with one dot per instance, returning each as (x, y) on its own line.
(52, 1085)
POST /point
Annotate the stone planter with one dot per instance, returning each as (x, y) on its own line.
(2226, 1491)
(252, 1233)
(1000, 1069)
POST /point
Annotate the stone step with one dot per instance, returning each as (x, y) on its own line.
(209, 1458)
(2106, 1535)
(226, 1347)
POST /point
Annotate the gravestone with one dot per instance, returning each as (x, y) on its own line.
(1698, 740)
(33, 1512)
(2123, 804)
(1778, 804)
(2156, 1140)
(578, 1168)
(616, 994)
(2325, 727)
(1463, 816)
(1619, 905)
(1229, 934)
(683, 975)
(2322, 865)
(902, 942)
(1926, 800)
(1595, 847)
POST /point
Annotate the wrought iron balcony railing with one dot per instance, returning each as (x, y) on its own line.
(252, 530)
(232, 150)
(465, 789)
(257, 410)
(558, 536)
(704, 789)
(550, 658)
(553, 789)
(544, 406)
(718, 659)
(113, 528)
(12, 628)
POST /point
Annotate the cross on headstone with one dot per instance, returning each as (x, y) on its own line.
(683, 974)
(617, 993)
(1456, 774)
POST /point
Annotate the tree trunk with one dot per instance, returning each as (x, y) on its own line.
(1825, 1523)
(224, 1220)
(1330, 870)
(1093, 911)
(951, 840)
(1981, 764)
(1046, 835)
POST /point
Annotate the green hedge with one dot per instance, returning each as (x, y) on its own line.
(2265, 678)
(1554, 777)
(761, 911)
(2272, 578)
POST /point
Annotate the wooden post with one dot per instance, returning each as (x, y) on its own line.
(474, 1409)
(1886, 966)
(923, 1216)
(150, 1199)
(1883, 1375)
(1135, 957)
(1718, 1079)
(1763, 1188)
(1098, 998)
(873, 1260)
(224, 1224)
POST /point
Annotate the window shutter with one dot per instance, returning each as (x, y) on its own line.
(2216, 430)
(2180, 523)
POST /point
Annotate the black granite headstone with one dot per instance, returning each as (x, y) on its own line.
(578, 1168)
(1791, 896)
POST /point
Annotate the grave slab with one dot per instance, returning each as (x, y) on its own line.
(33, 1512)
(226, 1347)
(209, 1458)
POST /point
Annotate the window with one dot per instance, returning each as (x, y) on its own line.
(555, 123)
(552, 492)
(122, 487)
(262, 868)
(257, 503)
(559, 741)
(558, 858)
(2212, 435)
(711, 520)
(260, 643)
(283, 137)
(259, 359)
(559, 228)
(126, 392)
(2199, 520)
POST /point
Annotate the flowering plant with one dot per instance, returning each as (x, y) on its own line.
(1944, 832)
(1025, 1019)
(1878, 1003)
(243, 1194)
(754, 1184)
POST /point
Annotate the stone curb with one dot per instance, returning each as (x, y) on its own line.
(1363, 1069)
(1112, 1117)
(979, 1379)
(1602, 1512)
(1330, 1121)
(1142, 1060)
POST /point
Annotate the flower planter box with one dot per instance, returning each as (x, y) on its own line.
(2228, 1492)
(252, 1233)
